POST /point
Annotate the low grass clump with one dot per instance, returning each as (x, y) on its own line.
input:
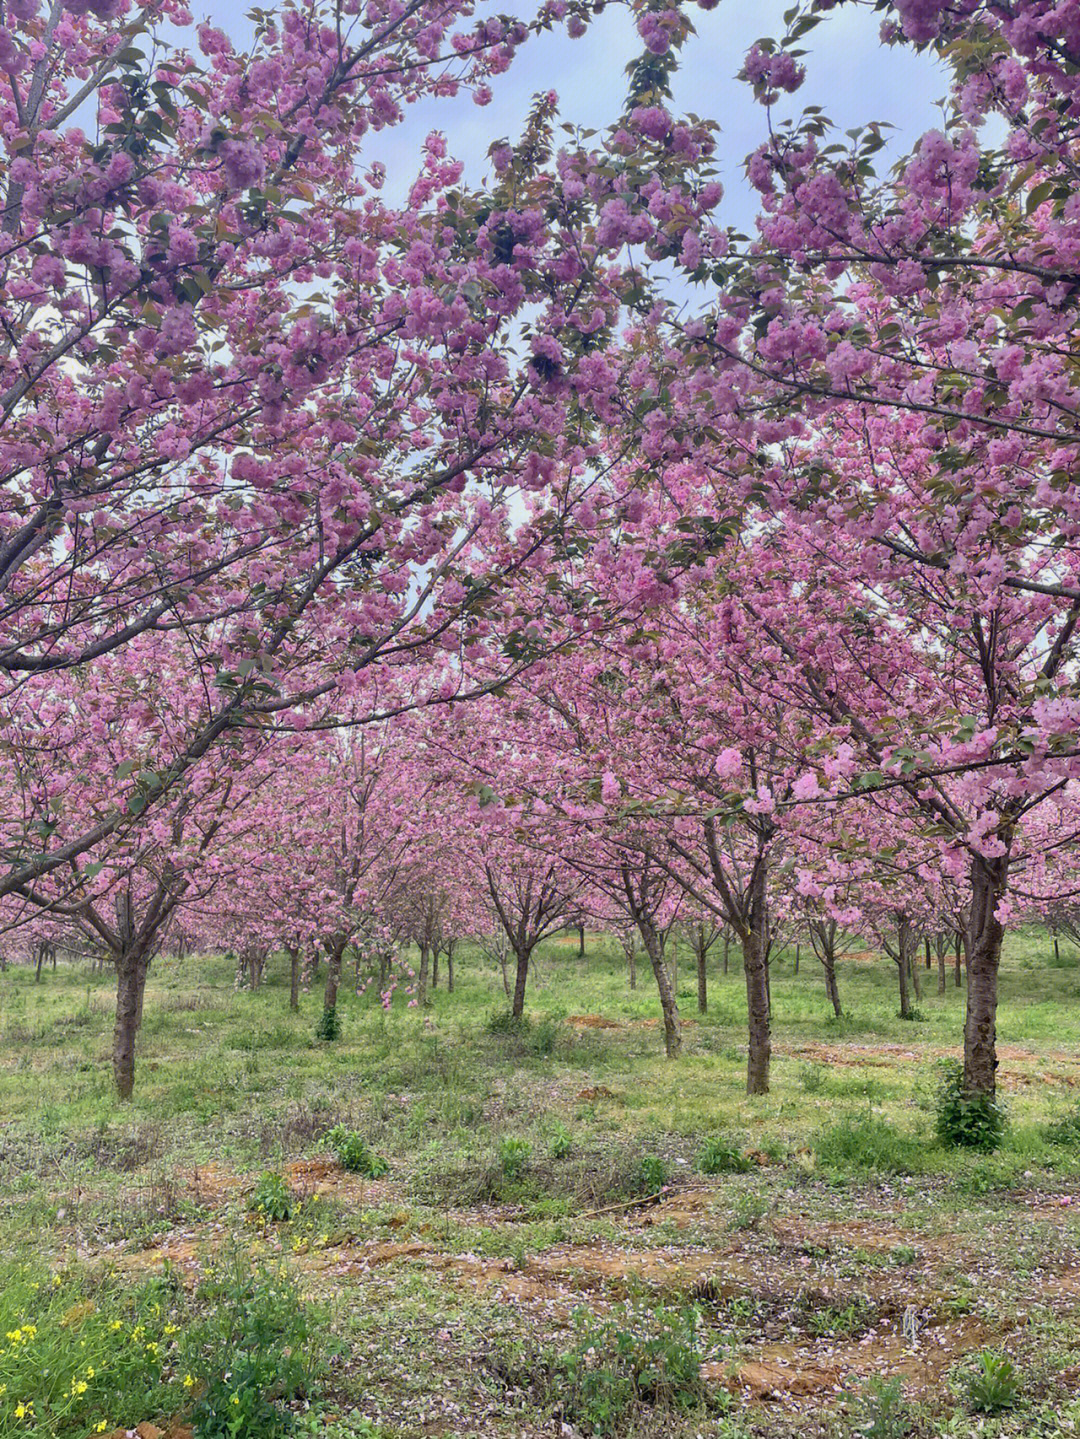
(866, 1145)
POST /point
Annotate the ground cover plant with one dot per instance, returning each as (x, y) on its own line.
(792, 1264)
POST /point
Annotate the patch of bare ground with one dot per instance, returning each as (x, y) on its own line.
(326, 1178)
(920, 1359)
(883, 1055)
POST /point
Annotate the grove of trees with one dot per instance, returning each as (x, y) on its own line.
(538, 551)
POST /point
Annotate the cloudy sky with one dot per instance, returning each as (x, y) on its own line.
(849, 73)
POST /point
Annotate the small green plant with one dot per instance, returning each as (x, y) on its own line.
(271, 1199)
(562, 1141)
(883, 1412)
(329, 1024)
(812, 1078)
(514, 1157)
(649, 1358)
(966, 1120)
(720, 1155)
(250, 1352)
(748, 1211)
(652, 1173)
(353, 1153)
(503, 1021)
(866, 1143)
(545, 1037)
(994, 1384)
(836, 1321)
(1065, 1130)
(78, 1356)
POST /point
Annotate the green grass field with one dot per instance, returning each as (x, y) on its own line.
(545, 1249)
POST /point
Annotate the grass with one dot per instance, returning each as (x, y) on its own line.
(522, 1150)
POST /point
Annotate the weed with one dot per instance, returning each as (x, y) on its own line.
(354, 1154)
(77, 1356)
(250, 1352)
(883, 1411)
(514, 1157)
(561, 1141)
(505, 1022)
(719, 1155)
(652, 1173)
(866, 1144)
(748, 1211)
(994, 1384)
(271, 1199)
(649, 1359)
(1065, 1130)
(329, 1024)
(545, 1037)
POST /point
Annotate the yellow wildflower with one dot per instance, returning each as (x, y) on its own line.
(189, 1383)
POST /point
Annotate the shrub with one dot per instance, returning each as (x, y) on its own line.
(994, 1385)
(719, 1155)
(514, 1157)
(76, 1357)
(866, 1144)
(970, 1121)
(354, 1154)
(329, 1024)
(652, 1173)
(271, 1198)
(250, 1353)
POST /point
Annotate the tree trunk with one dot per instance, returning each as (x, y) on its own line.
(759, 1053)
(669, 1005)
(294, 979)
(40, 962)
(796, 969)
(422, 981)
(1057, 956)
(435, 966)
(902, 970)
(702, 978)
(727, 942)
(831, 987)
(941, 981)
(450, 971)
(517, 1009)
(926, 947)
(131, 971)
(581, 941)
(333, 977)
(988, 880)
(913, 967)
(958, 966)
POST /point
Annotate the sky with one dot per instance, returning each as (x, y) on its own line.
(849, 73)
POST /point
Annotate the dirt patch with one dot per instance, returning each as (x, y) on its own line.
(591, 1021)
(327, 1178)
(210, 1186)
(793, 1371)
(881, 1055)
